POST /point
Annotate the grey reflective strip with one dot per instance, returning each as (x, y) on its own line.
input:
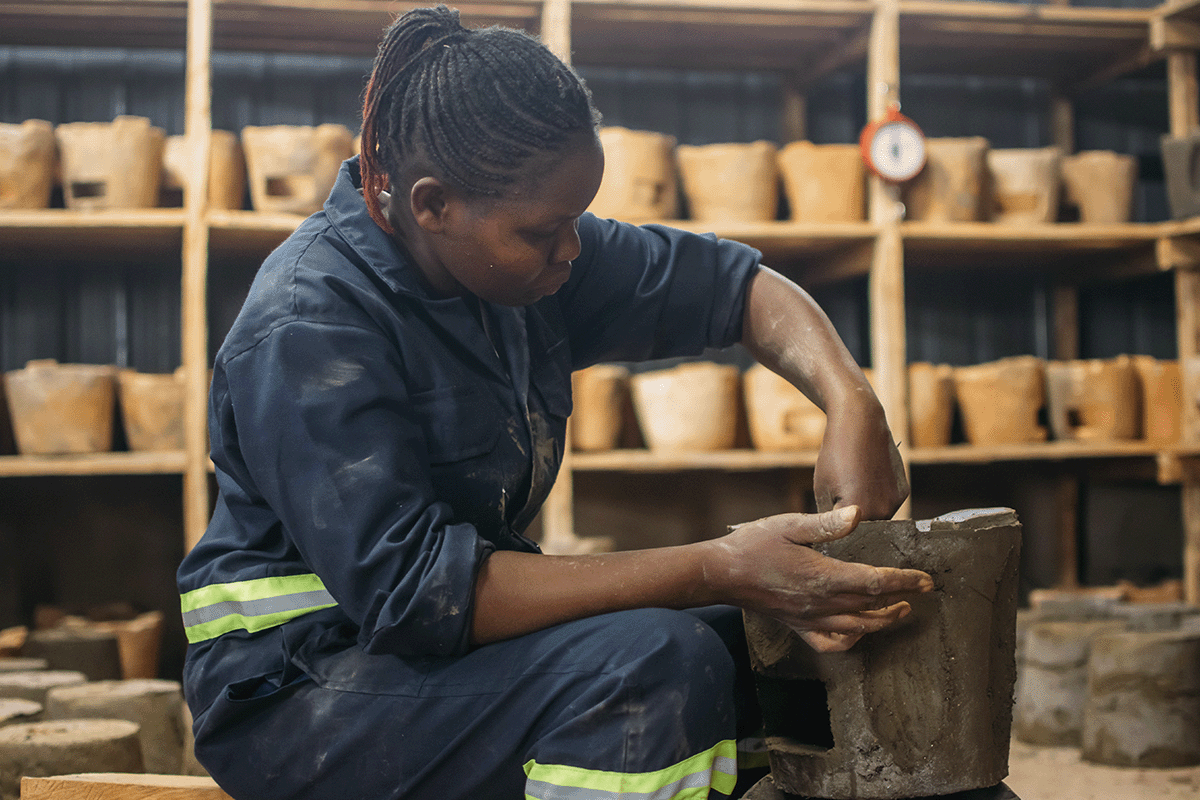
(697, 780)
(301, 601)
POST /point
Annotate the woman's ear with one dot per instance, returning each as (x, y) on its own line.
(428, 203)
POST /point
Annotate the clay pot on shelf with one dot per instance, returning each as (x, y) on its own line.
(1179, 154)
(931, 403)
(292, 167)
(600, 394)
(1000, 400)
(1100, 184)
(28, 163)
(152, 409)
(824, 182)
(62, 408)
(108, 165)
(688, 408)
(1161, 385)
(1096, 400)
(1025, 185)
(639, 182)
(730, 182)
(951, 187)
(226, 172)
(781, 417)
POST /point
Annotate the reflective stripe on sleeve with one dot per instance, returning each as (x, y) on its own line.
(253, 605)
(691, 779)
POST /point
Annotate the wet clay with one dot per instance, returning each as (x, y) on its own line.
(151, 409)
(920, 709)
(108, 165)
(64, 747)
(15, 712)
(730, 182)
(61, 408)
(689, 408)
(155, 705)
(28, 163)
(781, 417)
(1096, 400)
(639, 183)
(951, 187)
(1000, 400)
(226, 172)
(1099, 183)
(824, 182)
(1161, 386)
(291, 168)
(931, 404)
(1024, 185)
(121, 786)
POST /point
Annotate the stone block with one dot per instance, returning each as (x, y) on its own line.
(41, 749)
(155, 705)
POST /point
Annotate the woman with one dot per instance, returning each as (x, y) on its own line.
(388, 412)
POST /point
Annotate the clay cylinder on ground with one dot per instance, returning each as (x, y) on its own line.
(22, 664)
(781, 417)
(600, 393)
(920, 709)
(1053, 686)
(931, 404)
(1024, 185)
(151, 409)
(1096, 400)
(291, 168)
(155, 705)
(34, 685)
(14, 711)
(951, 187)
(28, 163)
(61, 408)
(226, 172)
(730, 182)
(1161, 385)
(688, 408)
(107, 165)
(190, 765)
(1100, 184)
(1143, 701)
(824, 182)
(40, 749)
(94, 653)
(1148, 617)
(1000, 400)
(639, 182)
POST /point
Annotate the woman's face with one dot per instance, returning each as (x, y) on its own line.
(517, 249)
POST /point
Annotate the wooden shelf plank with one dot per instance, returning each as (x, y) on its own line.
(1185, 10)
(723, 461)
(142, 463)
(154, 234)
(94, 23)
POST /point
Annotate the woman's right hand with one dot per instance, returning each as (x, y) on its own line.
(768, 566)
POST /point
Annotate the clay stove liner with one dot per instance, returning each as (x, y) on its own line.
(226, 172)
(152, 409)
(28, 163)
(730, 182)
(1025, 185)
(639, 182)
(951, 187)
(781, 417)
(689, 408)
(1161, 384)
(62, 408)
(600, 394)
(1000, 400)
(921, 709)
(114, 164)
(1100, 183)
(292, 167)
(931, 403)
(824, 182)
(1095, 400)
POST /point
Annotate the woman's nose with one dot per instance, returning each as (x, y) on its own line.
(568, 246)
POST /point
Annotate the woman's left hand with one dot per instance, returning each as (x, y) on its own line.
(859, 463)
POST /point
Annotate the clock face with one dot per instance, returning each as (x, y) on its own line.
(897, 151)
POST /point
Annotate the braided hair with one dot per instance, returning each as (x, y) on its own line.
(473, 105)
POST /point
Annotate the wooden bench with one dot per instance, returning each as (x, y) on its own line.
(121, 786)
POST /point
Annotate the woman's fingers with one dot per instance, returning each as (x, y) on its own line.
(856, 624)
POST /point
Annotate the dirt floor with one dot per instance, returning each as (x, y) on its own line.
(1058, 773)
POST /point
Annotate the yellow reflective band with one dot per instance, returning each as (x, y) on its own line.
(690, 779)
(252, 606)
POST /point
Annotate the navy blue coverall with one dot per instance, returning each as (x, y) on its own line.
(373, 444)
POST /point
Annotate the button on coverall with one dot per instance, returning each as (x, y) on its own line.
(373, 445)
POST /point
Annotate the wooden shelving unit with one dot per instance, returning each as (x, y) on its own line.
(1074, 48)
